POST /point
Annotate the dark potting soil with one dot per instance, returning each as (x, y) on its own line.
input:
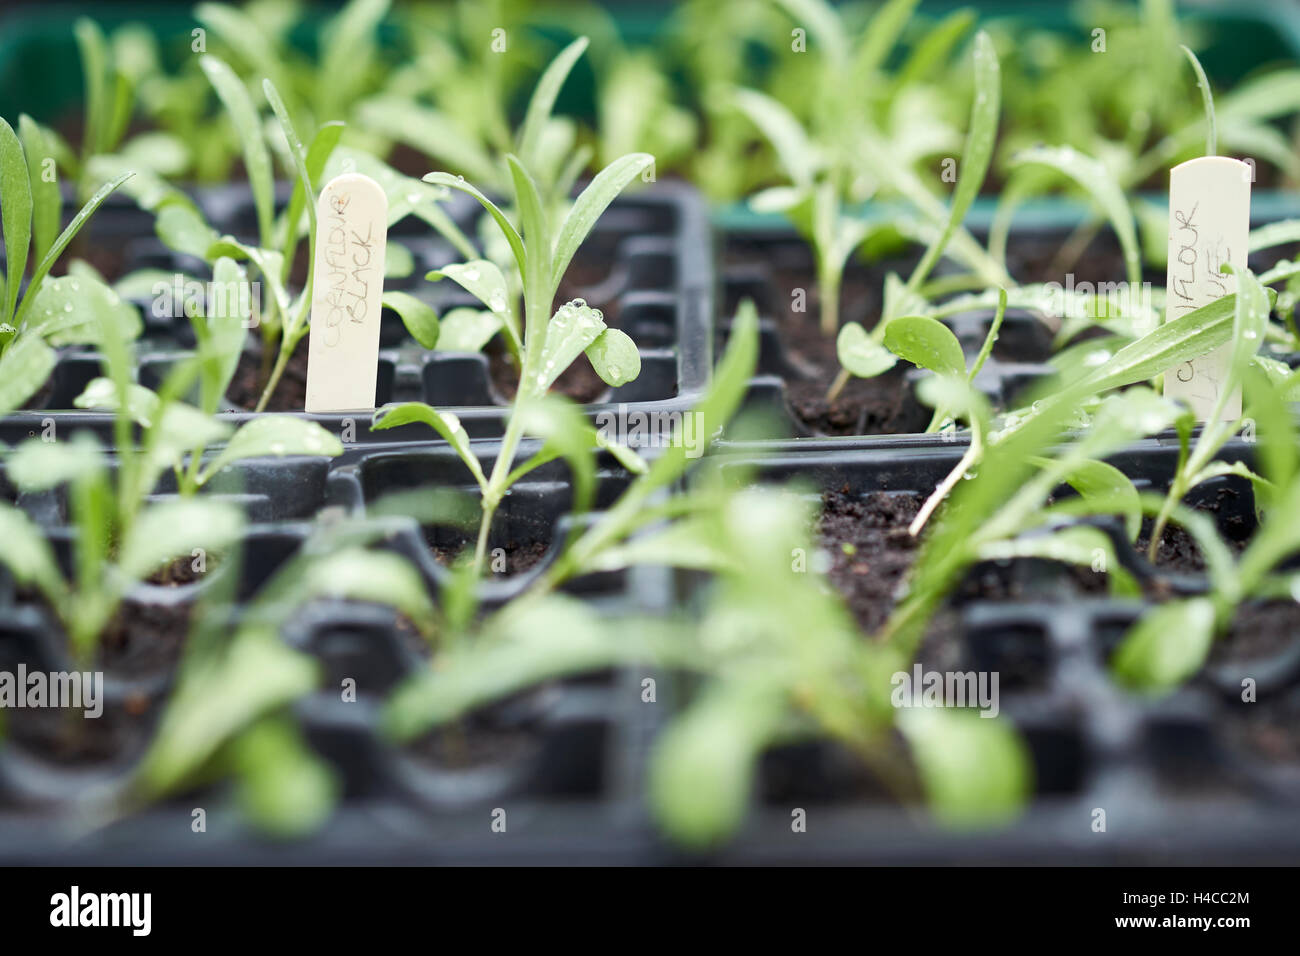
(145, 639)
(517, 556)
(885, 405)
(870, 550)
(67, 737)
(472, 743)
(1258, 631)
(1268, 729)
(178, 573)
(290, 393)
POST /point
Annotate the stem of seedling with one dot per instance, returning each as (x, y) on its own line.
(828, 280)
(281, 361)
(941, 492)
(837, 386)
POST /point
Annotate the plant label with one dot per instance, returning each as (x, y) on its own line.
(348, 281)
(1209, 225)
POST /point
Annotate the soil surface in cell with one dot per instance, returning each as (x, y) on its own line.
(290, 394)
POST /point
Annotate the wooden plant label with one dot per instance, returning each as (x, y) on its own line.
(343, 351)
(1209, 225)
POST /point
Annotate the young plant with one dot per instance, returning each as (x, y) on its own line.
(49, 311)
(862, 353)
(775, 656)
(351, 63)
(1196, 463)
(546, 145)
(548, 342)
(272, 253)
(121, 537)
(238, 674)
(1170, 643)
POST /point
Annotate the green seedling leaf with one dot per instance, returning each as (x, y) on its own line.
(824, 24)
(222, 332)
(251, 40)
(881, 36)
(1102, 485)
(46, 204)
(1094, 178)
(799, 157)
(530, 641)
(975, 156)
(603, 189)
(37, 465)
(15, 214)
(573, 328)
(1166, 646)
(257, 674)
(975, 770)
(1188, 336)
(543, 100)
(445, 424)
(174, 528)
(29, 557)
(702, 768)
(1275, 234)
(1080, 545)
(859, 354)
(284, 788)
(615, 358)
(95, 70)
(433, 133)
(506, 226)
(275, 435)
(483, 280)
(24, 368)
(349, 52)
(380, 577)
(926, 343)
(419, 318)
(52, 256)
(182, 227)
(318, 154)
(1207, 99)
(257, 159)
(566, 434)
(398, 261)
(296, 152)
(142, 404)
(75, 310)
(467, 330)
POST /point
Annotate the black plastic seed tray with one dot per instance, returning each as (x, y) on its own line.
(1195, 777)
(646, 265)
(563, 760)
(567, 761)
(774, 268)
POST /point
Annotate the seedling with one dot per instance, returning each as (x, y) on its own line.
(1170, 643)
(272, 253)
(861, 353)
(237, 674)
(60, 311)
(122, 538)
(767, 681)
(549, 343)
